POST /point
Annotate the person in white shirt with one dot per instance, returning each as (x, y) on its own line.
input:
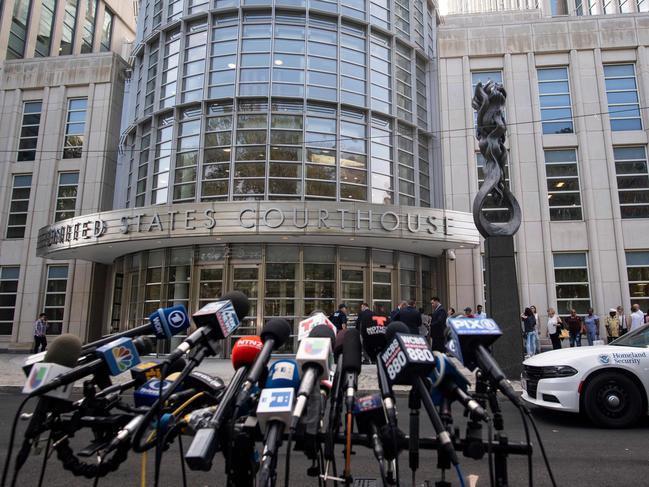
(479, 312)
(637, 317)
(554, 328)
(624, 320)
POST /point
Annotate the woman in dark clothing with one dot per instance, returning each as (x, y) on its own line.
(529, 330)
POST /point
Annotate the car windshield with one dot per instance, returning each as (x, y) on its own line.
(637, 338)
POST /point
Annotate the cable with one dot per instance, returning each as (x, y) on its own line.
(459, 475)
(12, 437)
(529, 446)
(490, 437)
(143, 470)
(339, 139)
(287, 463)
(45, 458)
(182, 460)
(528, 413)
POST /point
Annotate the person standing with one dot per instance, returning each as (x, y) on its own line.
(365, 320)
(479, 313)
(410, 316)
(339, 318)
(40, 333)
(624, 320)
(451, 312)
(554, 328)
(637, 317)
(612, 325)
(529, 328)
(591, 320)
(395, 311)
(438, 324)
(424, 329)
(468, 313)
(574, 328)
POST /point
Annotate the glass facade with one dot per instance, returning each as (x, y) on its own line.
(286, 281)
(261, 104)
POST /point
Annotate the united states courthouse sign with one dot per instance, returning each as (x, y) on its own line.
(318, 222)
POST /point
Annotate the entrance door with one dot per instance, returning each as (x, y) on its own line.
(352, 289)
(210, 288)
(245, 278)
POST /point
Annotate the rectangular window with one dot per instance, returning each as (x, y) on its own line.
(162, 161)
(493, 209)
(88, 38)
(8, 292)
(282, 276)
(632, 181)
(380, 55)
(554, 98)
(45, 27)
(116, 313)
(66, 195)
(559, 7)
(643, 5)
(404, 82)
(152, 72)
(637, 268)
(572, 283)
(422, 93)
(56, 287)
(143, 164)
(68, 29)
(106, 31)
(19, 206)
(406, 169)
(18, 29)
(75, 127)
(29, 130)
(562, 175)
(424, 170)
(382, 161)
(319, 277)
(187, 153)
(622, 94)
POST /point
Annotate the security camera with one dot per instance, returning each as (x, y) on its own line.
(450, 253)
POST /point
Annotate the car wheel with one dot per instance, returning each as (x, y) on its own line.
(612, 400)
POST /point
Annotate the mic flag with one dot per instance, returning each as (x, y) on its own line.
(305, 326)
(119, 355)
(465, 334)
(220, 313)
(44, 372)
(168, 322)
(245, 350)
(407, 357)
(149, 393)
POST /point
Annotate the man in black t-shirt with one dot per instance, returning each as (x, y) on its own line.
(339, 318)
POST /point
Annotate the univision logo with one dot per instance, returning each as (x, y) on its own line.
(38, 377)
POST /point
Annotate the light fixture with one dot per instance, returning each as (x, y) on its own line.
(278, 62)
(560, 184)
(351, 239)
(227, 149)
(284, 238)
(232, 65)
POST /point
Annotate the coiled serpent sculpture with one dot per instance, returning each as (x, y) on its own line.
(489, 102)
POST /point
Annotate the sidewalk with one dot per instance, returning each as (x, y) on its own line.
(13, 378)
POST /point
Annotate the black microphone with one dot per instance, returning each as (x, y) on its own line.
(467, 341)
(370, 419)
(352, 360)
(274, 334)
(407, 360)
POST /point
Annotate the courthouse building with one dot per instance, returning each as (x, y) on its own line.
(577, 79)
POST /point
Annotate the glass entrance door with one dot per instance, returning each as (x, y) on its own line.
(245, 278)
(352, 289)
(210, 288)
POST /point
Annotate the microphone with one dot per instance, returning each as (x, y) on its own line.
(335, 405)
(206, 442)
(370, 418)
(352, 360)
(216, 320)
(144, 371)
(274, 334)
(450, 383)
(150, 391)
(317, 318)
(407, 359)
(467, 341)
(113, 358)
(313, 356)
(274, 413)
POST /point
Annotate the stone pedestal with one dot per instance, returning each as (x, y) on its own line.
(503, 304)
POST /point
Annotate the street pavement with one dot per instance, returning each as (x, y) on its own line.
(580, 455)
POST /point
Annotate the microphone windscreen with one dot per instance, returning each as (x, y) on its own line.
(394, 328)
(240, 303)
(352, 352)
(176, 366)
(245, 351)
(277, 328)
(374, 340)
(283, 373)
(144, 345)
(338, 346)
(64, 350)
(323, 331)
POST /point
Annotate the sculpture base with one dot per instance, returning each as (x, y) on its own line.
(503, 304)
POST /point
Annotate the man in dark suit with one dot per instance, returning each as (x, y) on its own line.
(438, 325)
(410, 316)
(365, 320)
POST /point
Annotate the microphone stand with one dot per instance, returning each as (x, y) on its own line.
(485, 390)
(414, 403)
(443, 460)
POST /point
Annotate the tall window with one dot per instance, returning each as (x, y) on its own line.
(106, 31)
(559, 7)
(321, 144)
(422, 93)
(170, 69)
(68, 28)
(424, 171)
(406, 159)
(637, 268)
(380, 55)
(45, 27)
(407, 277)
(353, 156)
(8, 292)
(380, 13)
(643, 5)
(187, 150)
(75, 128)
(382, 167)
(225, 30)
(194, 69)
(218, 151)
(632, 181)
(162, 161)
(152, 72)
(19, 206)
(66, 195)
(319, 279)
(116, 312)
(56, 286)
(562, 173)
(554, 97)
(622, 94)
(572, 284)
(402, 17)
(352, 66)
(404, 82)
(18, 29)
(89, 21)
(491, 210)
(143, 164)
(29, 130)
(281, 284)
(285, 166)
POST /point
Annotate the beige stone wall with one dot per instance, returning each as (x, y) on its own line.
(517, 45)
(100, 77)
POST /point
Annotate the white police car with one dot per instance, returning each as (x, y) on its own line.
(609, 383)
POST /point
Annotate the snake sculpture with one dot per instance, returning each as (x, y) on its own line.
(489, 102)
